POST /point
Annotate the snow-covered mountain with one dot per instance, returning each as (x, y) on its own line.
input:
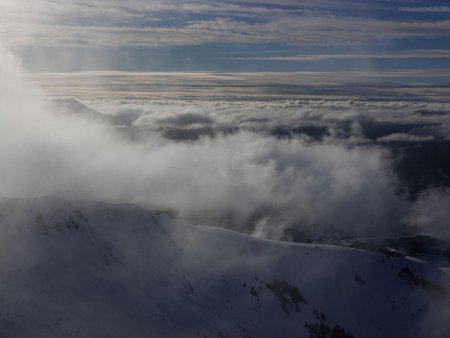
(88, 269)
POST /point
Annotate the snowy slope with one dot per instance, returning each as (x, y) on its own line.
(88, 269)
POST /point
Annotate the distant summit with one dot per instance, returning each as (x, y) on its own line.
(74, 107)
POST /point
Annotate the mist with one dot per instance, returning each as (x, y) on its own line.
(250, 181)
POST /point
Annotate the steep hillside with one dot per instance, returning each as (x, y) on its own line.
(88, 269)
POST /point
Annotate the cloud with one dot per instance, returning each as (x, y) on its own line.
(430, 215)
(187, 119)
(246, 181)
(399, 137)
(117, 12)
(420, 54)
(428, 9)
(218, 162)
(157, 23)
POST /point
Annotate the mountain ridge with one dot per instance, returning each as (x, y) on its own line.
(95, 269)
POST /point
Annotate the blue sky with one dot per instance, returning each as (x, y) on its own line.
(213, 35)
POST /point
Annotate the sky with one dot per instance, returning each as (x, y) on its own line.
(241, 35)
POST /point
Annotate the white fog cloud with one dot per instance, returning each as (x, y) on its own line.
(431, 213)
(243, 180)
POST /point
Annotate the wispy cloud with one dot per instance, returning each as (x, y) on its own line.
(159, 23)
(319, 31)
(412, 54)
(428, 9)
(399, 137)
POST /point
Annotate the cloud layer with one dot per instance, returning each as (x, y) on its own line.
(324, 177)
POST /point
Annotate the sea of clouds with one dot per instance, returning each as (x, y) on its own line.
(280, 169)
